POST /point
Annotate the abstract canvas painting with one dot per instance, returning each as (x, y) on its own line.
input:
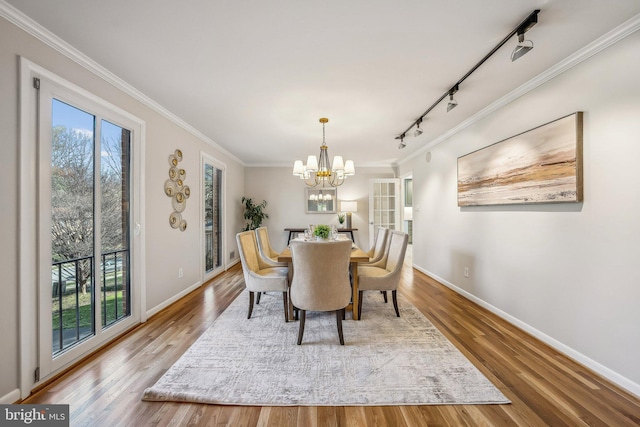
(542, 165)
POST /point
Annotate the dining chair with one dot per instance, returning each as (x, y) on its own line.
(387, 278)
(258, 275)
(269, 256)
(266, 251)
(377, 251)
(321, 279)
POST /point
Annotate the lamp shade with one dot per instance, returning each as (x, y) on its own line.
(349, 206)
(338, 163)
(298, 168)
(349, 168)
(312, 163)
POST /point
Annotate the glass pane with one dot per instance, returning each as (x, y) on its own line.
(72, 220)
(218, 218)
(114, 210)
(212, 217)
(208, 216)
(408, 192)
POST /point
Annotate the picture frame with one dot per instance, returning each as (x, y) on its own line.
(541, 165)
(323, 200)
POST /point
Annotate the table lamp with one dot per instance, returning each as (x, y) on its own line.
(349, 206)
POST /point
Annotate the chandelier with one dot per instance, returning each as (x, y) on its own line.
(319, 171)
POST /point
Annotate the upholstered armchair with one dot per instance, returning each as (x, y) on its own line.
(321, 279)
(377, 251)
(387, 277)
(266, 251)
(258, 275)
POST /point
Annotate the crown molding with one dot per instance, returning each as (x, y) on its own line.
(31, 27)
(619, 33)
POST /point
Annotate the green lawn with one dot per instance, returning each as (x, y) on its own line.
(84, 310)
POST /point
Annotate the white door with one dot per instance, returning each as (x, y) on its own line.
(212, 178)
(87, 292)
(384, 205)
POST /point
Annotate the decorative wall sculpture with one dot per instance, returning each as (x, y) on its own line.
(174, 187)
(542, 165)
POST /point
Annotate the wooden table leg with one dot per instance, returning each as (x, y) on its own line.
(354, 297)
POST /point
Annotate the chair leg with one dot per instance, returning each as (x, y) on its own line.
(359, 305)
(260, 293)
(303, 315)
(339, 314)
(286, 306)
(385, 296)
(394, 296)
(250, 304)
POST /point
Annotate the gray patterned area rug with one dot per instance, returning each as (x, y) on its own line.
(386, 360)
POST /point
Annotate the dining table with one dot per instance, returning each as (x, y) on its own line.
(357, 256)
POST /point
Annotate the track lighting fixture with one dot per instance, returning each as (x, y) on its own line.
(452, 102)
(522, 48)
(523, 45)
(418, 131)
(402, 143)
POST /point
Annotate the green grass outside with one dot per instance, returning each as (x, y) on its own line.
(84, 310)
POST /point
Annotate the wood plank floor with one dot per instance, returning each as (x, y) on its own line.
(545, 387)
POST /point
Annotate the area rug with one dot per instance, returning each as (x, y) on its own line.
(386, 360)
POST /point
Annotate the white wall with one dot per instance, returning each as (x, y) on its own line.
(285, 196)
(166, 249)
(566, 272)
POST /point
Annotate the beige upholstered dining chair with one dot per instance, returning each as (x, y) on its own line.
(266, 251)
(320, 279)
(377, 251)
(386, 278)
(258, 275)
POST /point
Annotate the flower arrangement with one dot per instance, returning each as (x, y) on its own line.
(322, 231)
(341, 218)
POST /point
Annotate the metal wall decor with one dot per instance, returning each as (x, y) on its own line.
(175, 188)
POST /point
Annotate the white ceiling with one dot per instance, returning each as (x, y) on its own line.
(255, 76)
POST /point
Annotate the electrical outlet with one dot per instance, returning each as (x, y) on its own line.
(180, 273)
(232, 254)
(466, 272)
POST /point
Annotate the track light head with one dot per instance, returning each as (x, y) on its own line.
(521, 48)
(418, 131)
(523, 45)
(452, 102)
(402, 143)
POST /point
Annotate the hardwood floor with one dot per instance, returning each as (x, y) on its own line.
(544, 386)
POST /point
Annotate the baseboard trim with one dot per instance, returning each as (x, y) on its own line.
(232, 263)
(12, 397)
(173, 299)
(571, 353)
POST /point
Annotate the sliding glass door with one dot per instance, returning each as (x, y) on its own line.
(212, 201)
(85, 222)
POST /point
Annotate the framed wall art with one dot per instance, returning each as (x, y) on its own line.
(541, 165)
(323, 200)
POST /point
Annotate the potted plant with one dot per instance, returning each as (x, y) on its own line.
(341, 218)
(322, 232)
(254, 213)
